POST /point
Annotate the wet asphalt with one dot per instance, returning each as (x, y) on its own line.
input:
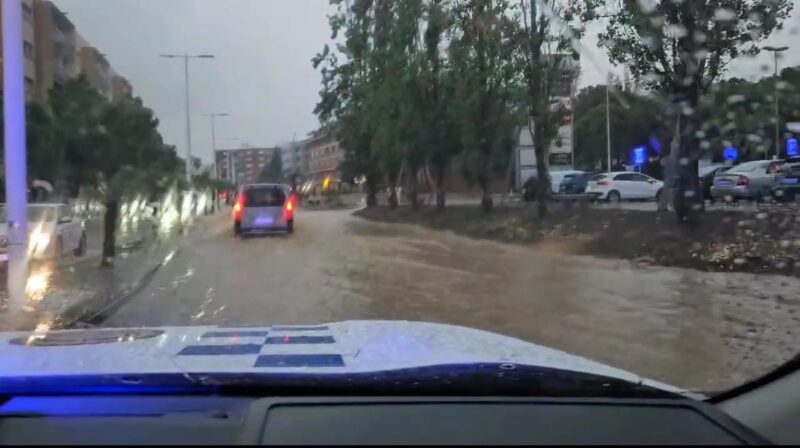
(698, 330)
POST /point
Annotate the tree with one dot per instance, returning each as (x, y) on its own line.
(546, 56)
(109, 147)
(680, 49)
(635, 121)
(486, 82)
(436, 89)
(45, 153)
(274, 171)
(346, 92)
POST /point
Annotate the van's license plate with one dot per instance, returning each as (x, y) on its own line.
(789, 180)
(264, 221)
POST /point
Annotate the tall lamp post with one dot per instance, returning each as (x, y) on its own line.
(608, 121)
(186, 58)
(775, 51)
(213, 117)
(16, 168)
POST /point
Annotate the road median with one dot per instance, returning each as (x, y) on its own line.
(765, 241)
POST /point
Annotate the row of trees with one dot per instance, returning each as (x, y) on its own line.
(82, 143)
(734, 113)
(423, 83)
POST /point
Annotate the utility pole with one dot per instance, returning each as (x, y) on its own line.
(608, 122)
(213, 117)
(15, 154)
(775, 51)
(186, 57)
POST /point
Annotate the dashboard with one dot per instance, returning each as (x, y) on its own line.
(202, 420)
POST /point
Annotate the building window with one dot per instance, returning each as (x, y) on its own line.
(27, 13)
(27, 49)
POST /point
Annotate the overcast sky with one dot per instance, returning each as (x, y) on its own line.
(262, 74)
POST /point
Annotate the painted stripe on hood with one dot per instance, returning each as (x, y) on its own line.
(289, 361)
(217, 350)
(292, 340)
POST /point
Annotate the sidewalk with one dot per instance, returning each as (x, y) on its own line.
(78, 292)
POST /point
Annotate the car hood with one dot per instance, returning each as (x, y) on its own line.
(355, 347)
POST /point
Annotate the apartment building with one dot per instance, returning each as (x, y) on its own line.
(54, 52)
(325, 154)
(243, 165)
(56, 48)
(28, 46)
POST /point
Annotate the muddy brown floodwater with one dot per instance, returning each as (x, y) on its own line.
(698, 330)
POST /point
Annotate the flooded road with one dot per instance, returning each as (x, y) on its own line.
(702, 331)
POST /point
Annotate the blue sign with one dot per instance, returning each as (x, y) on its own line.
(639, 155)
(791, 147)
(655, 144)
(730, 153)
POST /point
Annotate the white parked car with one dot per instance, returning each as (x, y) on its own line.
(53, 231)
(623, 186)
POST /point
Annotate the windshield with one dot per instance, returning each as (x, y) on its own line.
(265, 197)
(747, 167)
(250, 166)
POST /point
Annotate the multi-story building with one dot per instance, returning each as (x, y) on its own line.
(295, 161)
(28, 47)
(121, 88)
(243, 165)
(56, 58)
(96, 68)
(54, 52)
(324, 156)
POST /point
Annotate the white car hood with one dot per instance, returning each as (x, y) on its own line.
(336, 348)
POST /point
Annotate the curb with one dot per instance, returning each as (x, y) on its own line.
(90, 316)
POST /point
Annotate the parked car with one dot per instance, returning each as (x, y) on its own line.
(556, 177)
(620, 186)
(707, 175)
(575, 183)
(53, 231)
(788, 182)
(750, 180)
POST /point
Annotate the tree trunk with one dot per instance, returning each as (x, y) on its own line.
(412, 189)
(671, 163)
(372, 197)
(542, 170)
(110, 233)
(372, 192)
(439, 174)
(688, 200)
(393, 202)
(486, 199)
(441, 195)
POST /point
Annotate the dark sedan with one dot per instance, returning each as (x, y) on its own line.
(575, 183)
(788, 182)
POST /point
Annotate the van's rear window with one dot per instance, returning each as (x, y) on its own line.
(264, 197)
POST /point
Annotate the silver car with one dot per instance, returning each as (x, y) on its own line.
(263, 208)
(750, 180)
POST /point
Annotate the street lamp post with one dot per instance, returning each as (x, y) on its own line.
(775, 51)
(213, 117)
(608, 122)
(186, 58)
(16, 168)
